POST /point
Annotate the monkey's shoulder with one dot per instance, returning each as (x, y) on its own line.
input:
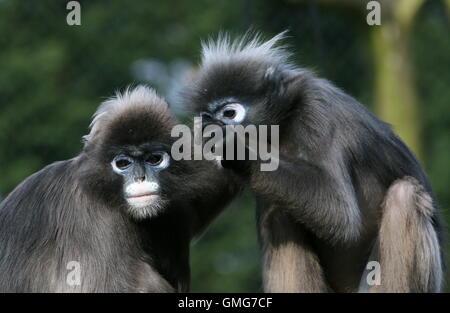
(48, 186)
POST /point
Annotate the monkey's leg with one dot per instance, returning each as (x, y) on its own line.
(289, 263)
(408, 245)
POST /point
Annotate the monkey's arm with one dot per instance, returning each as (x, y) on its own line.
(215, 189)
(323, 201)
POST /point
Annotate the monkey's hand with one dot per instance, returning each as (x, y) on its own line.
(241, 167)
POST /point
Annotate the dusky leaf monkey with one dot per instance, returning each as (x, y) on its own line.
(347, 190)
(123, 209)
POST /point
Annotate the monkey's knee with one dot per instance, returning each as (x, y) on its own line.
(408, 194)
(409, 248)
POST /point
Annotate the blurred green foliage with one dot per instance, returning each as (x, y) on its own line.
(53, 76)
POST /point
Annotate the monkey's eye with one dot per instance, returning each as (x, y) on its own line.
(121, 163)
(234, 112)
(229, 113)
(154, 158)
(158, 159)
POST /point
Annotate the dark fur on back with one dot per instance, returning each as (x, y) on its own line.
(337, 160)
(74, 211)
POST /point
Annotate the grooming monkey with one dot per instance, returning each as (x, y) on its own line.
(123, 209)
(347, 190)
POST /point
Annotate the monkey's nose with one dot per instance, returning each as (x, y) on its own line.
(140, 179)
(208, 119)
(206, 116)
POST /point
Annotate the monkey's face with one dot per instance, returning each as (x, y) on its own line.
(238, 93)
(140, 171)
(129, 165)
(139, 178)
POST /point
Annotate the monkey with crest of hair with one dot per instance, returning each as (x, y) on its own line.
(347, 190)
(118, 217)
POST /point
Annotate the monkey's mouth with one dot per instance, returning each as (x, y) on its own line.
(213, 122)
(142, 199)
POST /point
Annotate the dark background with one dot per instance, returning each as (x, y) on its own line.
(53, 76)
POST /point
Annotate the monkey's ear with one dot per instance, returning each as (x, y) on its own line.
(275, 80)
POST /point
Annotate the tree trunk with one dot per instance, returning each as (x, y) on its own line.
(395, 96)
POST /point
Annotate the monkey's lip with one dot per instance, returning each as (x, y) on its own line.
(142, 198)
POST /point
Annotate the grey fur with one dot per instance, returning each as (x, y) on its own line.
(337, 162)
(74, 211)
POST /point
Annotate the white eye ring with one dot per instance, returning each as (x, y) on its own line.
(118, 170)
(237, 110)
(164, 163)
